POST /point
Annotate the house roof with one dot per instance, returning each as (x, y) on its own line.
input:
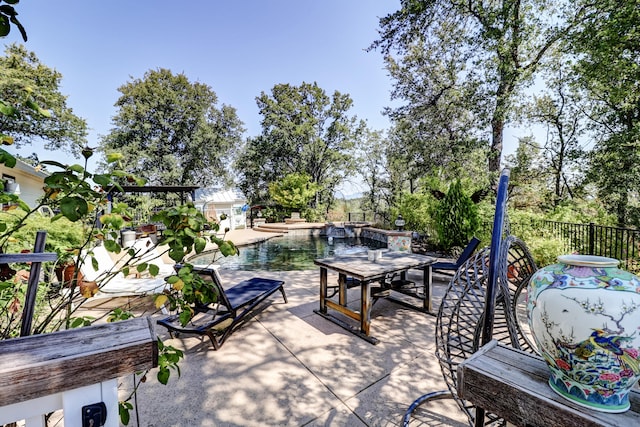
(27, 168)
(218, 195)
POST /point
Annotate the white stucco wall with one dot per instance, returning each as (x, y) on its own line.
(29, 180)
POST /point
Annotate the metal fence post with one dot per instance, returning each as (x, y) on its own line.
(591, 238)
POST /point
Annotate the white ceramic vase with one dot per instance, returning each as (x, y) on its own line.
(584, 314)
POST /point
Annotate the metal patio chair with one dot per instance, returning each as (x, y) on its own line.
(480, 304)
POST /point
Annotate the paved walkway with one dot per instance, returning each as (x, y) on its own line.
(290, 367)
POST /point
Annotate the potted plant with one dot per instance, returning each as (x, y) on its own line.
(65, 266)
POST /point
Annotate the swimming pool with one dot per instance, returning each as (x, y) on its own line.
(286, 253)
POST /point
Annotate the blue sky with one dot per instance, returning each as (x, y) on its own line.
(239, 48)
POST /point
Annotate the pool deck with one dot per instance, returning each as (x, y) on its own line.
(288, 366)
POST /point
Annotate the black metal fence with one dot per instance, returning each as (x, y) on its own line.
(593, 239)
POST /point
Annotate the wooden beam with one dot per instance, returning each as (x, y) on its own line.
(46, 364)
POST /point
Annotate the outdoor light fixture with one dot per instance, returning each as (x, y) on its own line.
(259, 214)
(400, 222)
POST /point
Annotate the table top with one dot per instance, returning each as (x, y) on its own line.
(359, 266)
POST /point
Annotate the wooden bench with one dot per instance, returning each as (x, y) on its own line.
(218, 321)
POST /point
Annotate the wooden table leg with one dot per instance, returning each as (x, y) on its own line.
(342, 289)
(323, 289)
(365, 308)
(427, 281)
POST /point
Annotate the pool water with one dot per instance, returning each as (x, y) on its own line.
(287, 253)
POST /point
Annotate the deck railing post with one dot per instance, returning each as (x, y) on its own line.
(592, 229)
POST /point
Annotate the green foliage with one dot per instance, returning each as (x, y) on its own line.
(63, 236)
(31, 94)
(545, 250)
(170, 130)
(459, 66)
(607, 45)
(8, 16)
(582, 212)
(416, 210)
(456, 217)
(118, 314)
(168, 358)
(294, 191)
(304, 131)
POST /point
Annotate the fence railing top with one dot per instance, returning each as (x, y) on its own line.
(41, 365)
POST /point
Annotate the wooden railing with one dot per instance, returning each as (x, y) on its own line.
(71, 370)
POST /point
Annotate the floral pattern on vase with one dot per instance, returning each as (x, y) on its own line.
(584, 315)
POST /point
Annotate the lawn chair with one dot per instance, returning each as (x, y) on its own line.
(218, 321)
(464, 256)
(480, 304)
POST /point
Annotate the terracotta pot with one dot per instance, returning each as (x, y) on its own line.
(65, 274)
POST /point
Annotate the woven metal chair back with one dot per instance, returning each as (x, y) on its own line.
(461, 313)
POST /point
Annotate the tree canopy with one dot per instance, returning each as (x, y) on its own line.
(39, 111)
(607, 48)
(304, 131)
(470, 58)
(171, 131)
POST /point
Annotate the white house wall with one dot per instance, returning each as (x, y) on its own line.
(31, 182)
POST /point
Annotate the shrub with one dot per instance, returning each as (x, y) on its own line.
(456, 217)
(415, 210)
(62, 234)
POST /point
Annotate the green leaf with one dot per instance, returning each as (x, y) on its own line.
(228, 249)
(7, 159)
(76, 168)
(141, 267)
(185, 317)
(102, 180)
(112, 246)
(123, 411)
(114, 157)
(163, 376)
(200, 244)
(154, 270)
(5, 27)
(73, 208)
(7, 110)
(53, 163)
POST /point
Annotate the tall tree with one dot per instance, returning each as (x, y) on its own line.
(171, 131)
(528, 187)
(488, 50)
(304, 130)
(372, 161)
(607, 46)
(561, 111)
(39, 111)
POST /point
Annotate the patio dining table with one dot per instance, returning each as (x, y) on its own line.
(357, 266)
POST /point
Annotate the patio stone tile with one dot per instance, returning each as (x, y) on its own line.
(251, 381)
(386, 401)
(289, 366)
(345, 363)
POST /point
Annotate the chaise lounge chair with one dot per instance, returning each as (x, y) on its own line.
(218, 321)
(464, 257)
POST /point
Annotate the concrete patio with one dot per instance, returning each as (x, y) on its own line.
(289, 366)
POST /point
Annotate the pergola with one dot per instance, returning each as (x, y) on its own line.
(178, 189)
